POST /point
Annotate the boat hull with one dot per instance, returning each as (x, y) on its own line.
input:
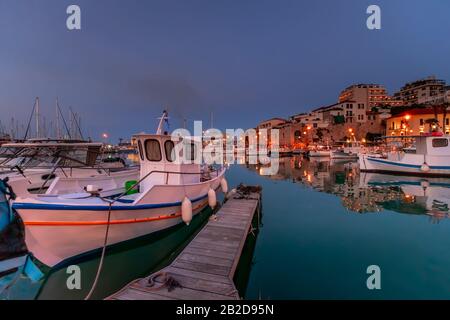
(343, 155)
(53, 237)
(319, 154)
(411, 167)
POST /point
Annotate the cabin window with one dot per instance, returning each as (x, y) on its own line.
(440, 143)
(141, 153)
(191, 150)
(153, 150)
(168, 148)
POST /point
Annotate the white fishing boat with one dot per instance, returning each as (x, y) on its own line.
(430, 158)
(169, 192)
(349, 150)
(319, 151)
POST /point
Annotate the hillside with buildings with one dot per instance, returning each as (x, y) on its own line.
(367, 111)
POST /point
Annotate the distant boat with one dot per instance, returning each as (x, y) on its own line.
(281, 151)
(320, 151)
(348, 151)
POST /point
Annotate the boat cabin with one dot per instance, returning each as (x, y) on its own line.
(433, 145)
(166, 161)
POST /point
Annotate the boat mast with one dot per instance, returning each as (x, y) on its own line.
(37, 117)
(58, 130)
(161, 122)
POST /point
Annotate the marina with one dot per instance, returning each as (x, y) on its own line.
(213, 159)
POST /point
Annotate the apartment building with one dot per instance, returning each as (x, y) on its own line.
(367, 96)
(269, 124)
(424, 91)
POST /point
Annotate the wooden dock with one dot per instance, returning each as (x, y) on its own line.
(204, 270)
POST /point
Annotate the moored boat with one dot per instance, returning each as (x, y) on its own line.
(349, 150)
(168, 192)
(430, 158)
(319, 151)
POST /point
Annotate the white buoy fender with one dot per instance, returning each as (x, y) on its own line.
(212, 200)
(424, 167)
(224, 185)
(186, 210)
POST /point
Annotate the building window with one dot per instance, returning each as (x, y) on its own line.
(421, 122)
(447, 121)
(315, 125)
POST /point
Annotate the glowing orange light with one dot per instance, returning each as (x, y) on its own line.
(407, 117)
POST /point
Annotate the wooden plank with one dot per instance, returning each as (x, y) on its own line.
(209, 252)
(186, 294)
(133, 294)
(188, 257)
(214, 247)
(231, 245)
(203, 267)
(197, 275)
(221, 229)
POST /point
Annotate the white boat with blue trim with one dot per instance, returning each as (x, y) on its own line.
(168, 192)
(431, 157)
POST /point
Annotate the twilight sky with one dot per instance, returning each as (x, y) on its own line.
(245, 60)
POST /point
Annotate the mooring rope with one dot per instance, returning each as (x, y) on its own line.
(100, 265)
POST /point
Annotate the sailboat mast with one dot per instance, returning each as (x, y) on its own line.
(58, 131)
(37, 117)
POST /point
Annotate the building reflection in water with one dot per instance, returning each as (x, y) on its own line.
(366, 192)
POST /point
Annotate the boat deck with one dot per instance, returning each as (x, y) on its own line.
(205, 268)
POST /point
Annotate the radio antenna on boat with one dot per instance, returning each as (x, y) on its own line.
(163, 119)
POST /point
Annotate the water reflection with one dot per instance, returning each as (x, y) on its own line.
(363, 192)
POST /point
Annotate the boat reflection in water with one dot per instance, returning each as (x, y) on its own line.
(363, 192)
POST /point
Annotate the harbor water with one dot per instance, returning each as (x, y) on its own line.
(323, 225)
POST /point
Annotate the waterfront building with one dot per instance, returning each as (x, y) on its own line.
(366, 96)
(424, 91)
(416, 121)
(269, 124)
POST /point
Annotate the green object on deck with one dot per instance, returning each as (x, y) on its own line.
(129, 184)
